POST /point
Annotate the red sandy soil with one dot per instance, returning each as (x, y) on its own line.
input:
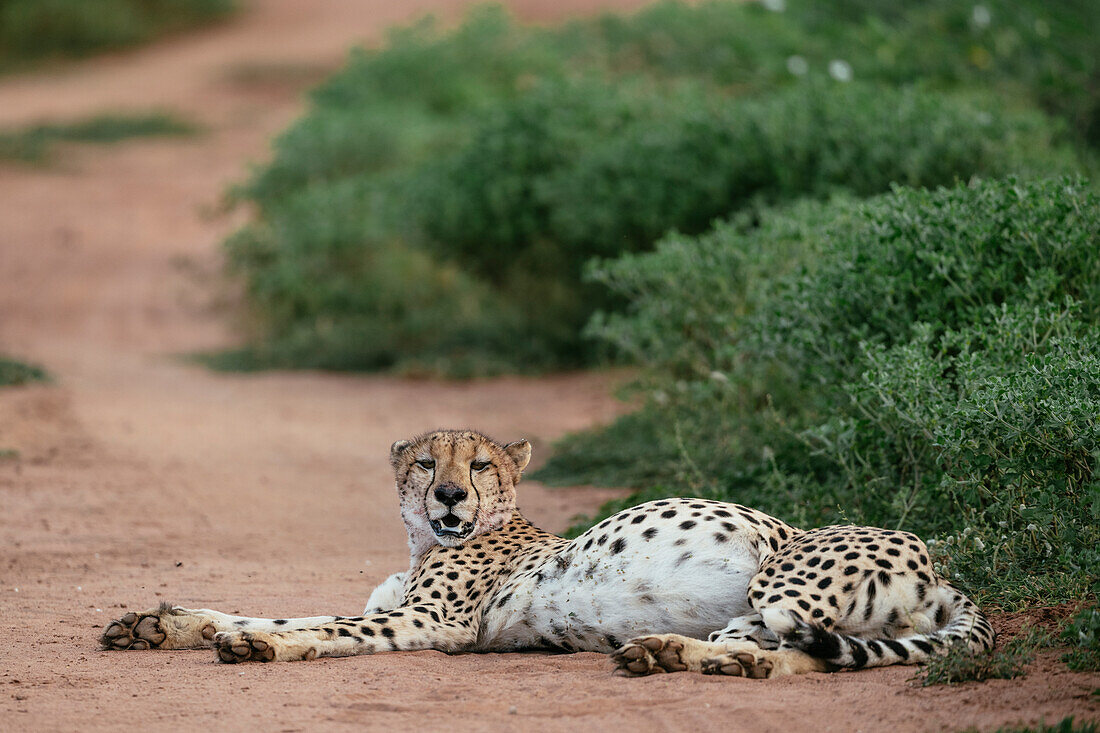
(142, 478)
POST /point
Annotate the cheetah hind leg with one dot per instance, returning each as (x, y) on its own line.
(676, 653)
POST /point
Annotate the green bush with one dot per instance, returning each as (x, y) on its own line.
(926, 359)
(1083, 636)
(570, 170)
(31, 30)
(15, 373)
(33, 144)
(960, 664)
(512, 154)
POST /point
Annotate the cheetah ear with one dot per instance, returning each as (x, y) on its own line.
(520, 452)
(397, 449)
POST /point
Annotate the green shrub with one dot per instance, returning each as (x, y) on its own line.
(1006, 662)
(514, 154)
(1066, 725)
(15, 373)
(927, 359)
(570, 170)
(1083, 636)
(36, 29)
(32, 144)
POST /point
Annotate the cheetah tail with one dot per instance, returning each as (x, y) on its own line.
(967, 625)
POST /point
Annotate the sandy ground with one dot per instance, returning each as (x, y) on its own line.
(141, 478)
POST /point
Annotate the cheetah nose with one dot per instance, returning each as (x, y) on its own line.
(449, 494)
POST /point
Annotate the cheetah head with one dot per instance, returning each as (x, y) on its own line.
(455, 485)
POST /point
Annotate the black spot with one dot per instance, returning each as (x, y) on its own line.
(813, 561)
(344, 632)
(874, 647)
(280, 621)
(418, 623)
(851, 570)
(387, 632)
(687, 525)
(851, 556)
(923, 645)
(617, 546)
(804, 605)
(650, 533)
(367, 630)
(452, 575)
(893, 552)
(786, 567)
(601, 540)
(638, 519)
(668, 513)
(828, 564)
(242, 622)
(791, 593)
(941, 615)
(884, 564)
(720, 538)
(427, 583)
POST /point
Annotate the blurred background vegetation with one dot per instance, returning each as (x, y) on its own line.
(32, 31)
(852, 247)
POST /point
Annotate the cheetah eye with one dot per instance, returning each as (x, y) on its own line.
(427, 463)
(479, 465)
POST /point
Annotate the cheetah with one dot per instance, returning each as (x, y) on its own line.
(667, 586)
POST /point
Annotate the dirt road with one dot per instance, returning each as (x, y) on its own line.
(142, 478)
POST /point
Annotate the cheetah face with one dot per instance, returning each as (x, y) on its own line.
(455, 485)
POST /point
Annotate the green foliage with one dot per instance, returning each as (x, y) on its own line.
(1065, 725)
(15, 373)
(31, 30)
(1083, 636)
(924, 359)
(1006, 662)
(509, 156)
(32, 144)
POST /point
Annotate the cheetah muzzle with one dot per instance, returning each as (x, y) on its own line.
(672, 585)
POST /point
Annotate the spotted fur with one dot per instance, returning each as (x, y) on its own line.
(670, 585)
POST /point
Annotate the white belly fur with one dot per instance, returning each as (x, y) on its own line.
(593, 600)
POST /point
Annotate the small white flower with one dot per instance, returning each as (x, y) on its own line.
(797, 65)
(981, 16)
(840, 70)
(1032, 528)
(718, 376)
(979, 544)
(776, 6)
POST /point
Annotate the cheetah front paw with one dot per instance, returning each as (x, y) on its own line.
(133, 631)
(244, 646)
(649, 655)
(738, 664)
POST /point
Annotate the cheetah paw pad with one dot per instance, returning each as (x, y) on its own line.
(738, 664)
(133, 631)
(242, 646)
(649, 655)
